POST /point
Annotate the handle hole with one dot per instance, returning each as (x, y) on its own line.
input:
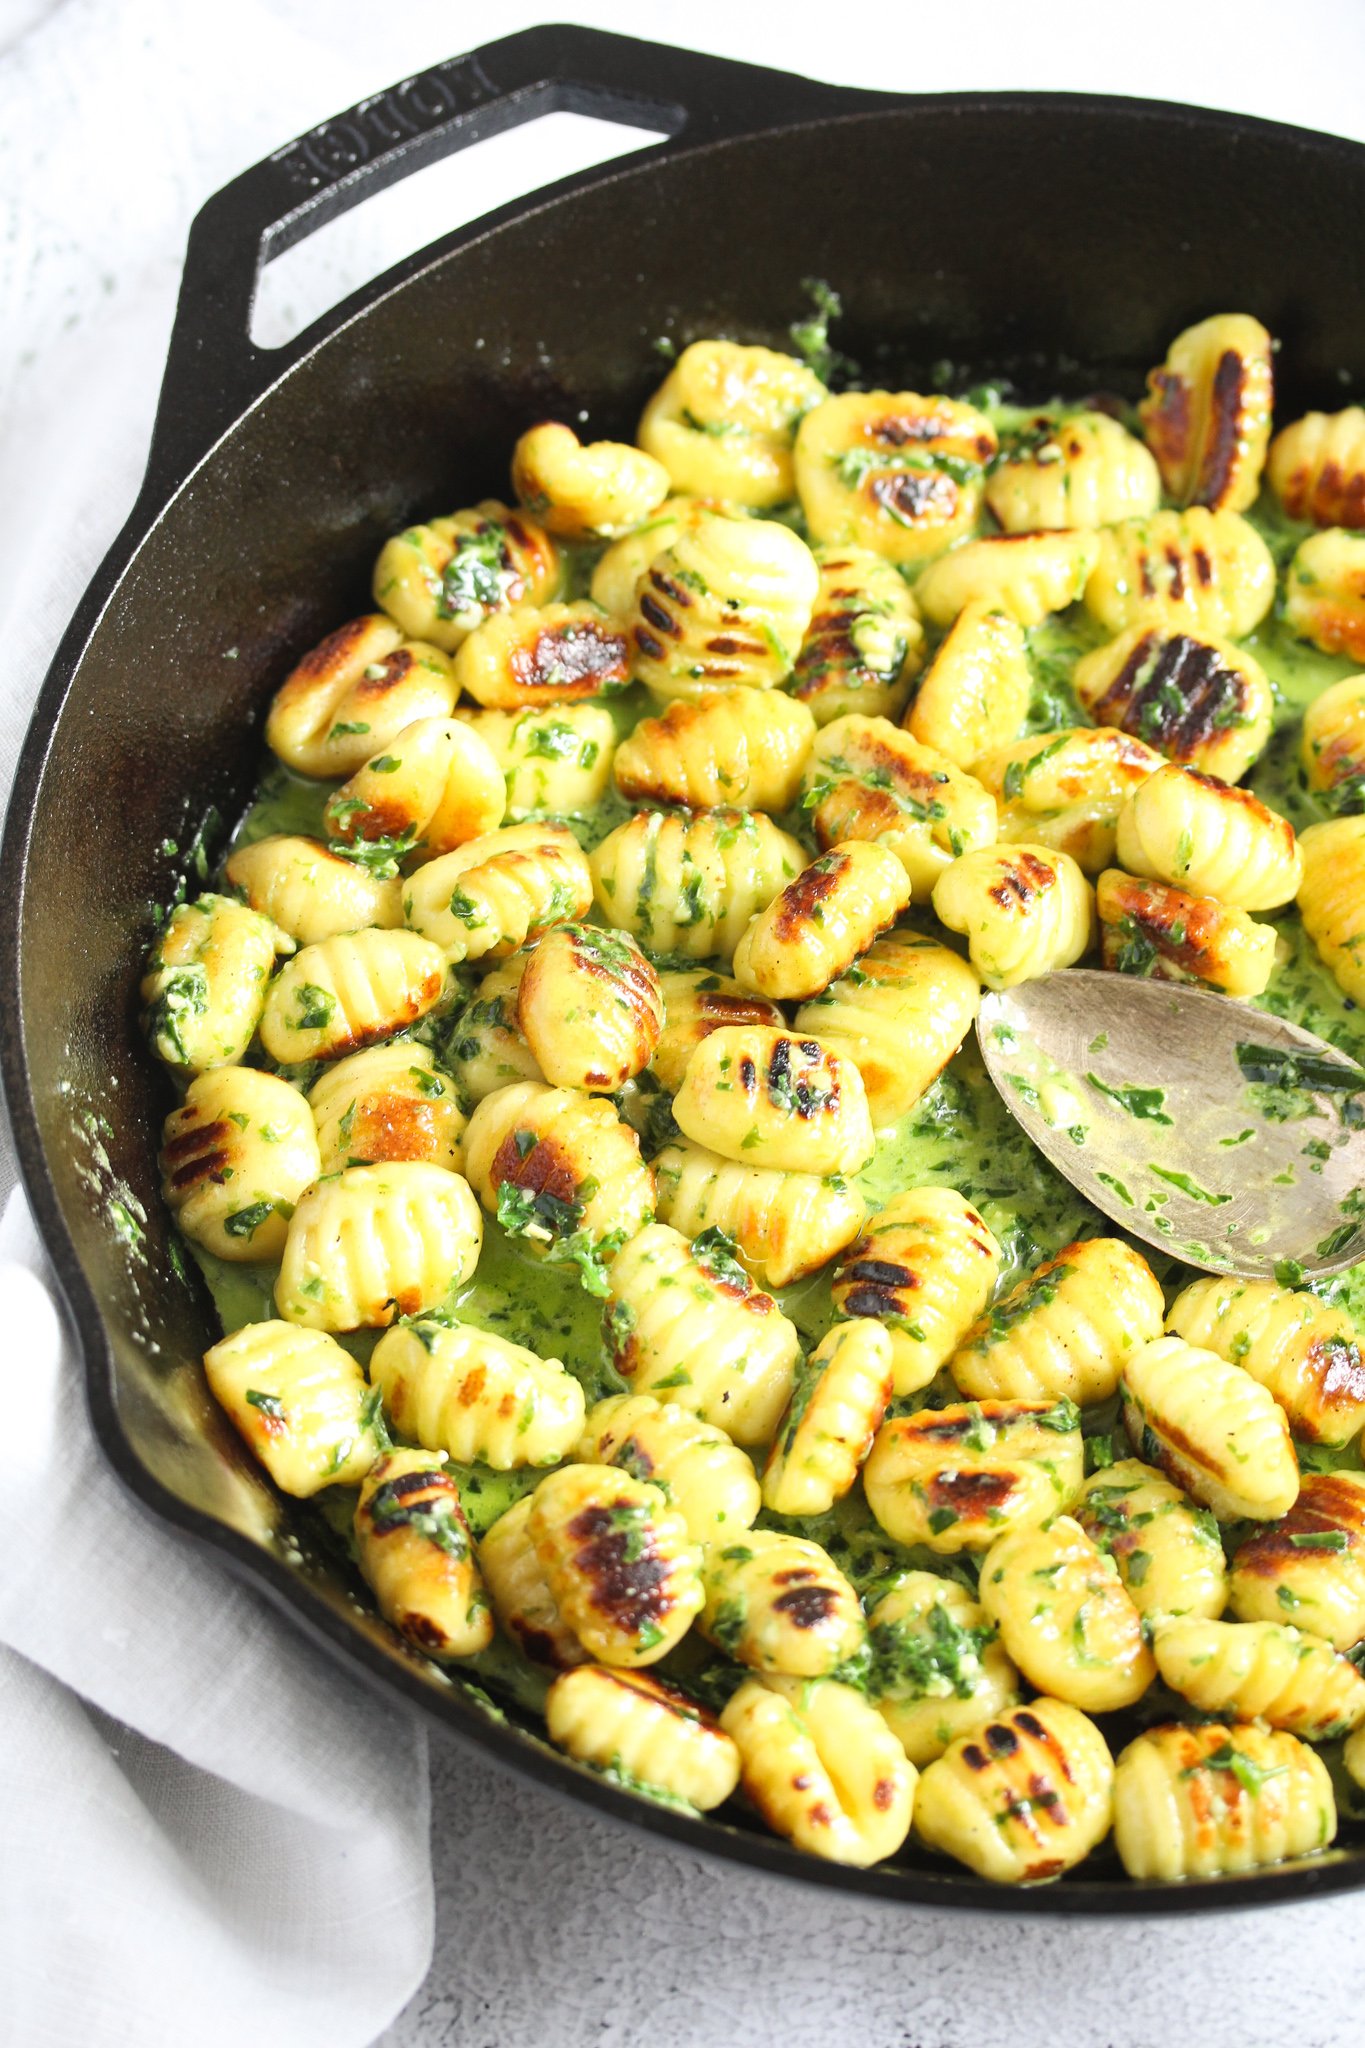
(307, 280)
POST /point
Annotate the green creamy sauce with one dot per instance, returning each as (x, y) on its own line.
(960, 1135)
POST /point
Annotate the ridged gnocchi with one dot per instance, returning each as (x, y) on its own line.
(441, 580)
(815, 929)
(1308, 1567)
(728, 602)
(925, 1267)
(590, 1008)
(414, 1550)
(687, 1324)
(938, 1669)
(768, 1099)
(1303, 1352)
(204, 986)
(555, 763)
(1332, 748)
(723, 421)
(1331, 898)
(354, 692)
(1080, 470)
(1211, 1428)
(1025, 575)
(696, 1003)
(527, 657)
(956, 1478)
(485, 1048)
(740, 747)
(867, 781)
(838, 1400)
(1065, 1617)
(620, 567)
(377, 1242)
(783, 1225)
(1065, 1332)
(1198, 571)
(311, 892)
(1261, 1670)
(1150, 928)
(1198, 699)
(708, 1479)
(1317, 467)
(434, 786)
(778, 1603)
(646, 1729)
(1064, 790)
(389, 1102)
(235, 1158)
(1190, 829)
(560, 1170)
(618, 1561)
(1195, 1802)
(299, 1401)
(892, 471)
(1022, 1798)
(469, 1393)
(347, 992)
(978, 688)
(821, 1767)
(687, 883)
(898, 1014)
(520, 1592)
(864, 644)
(1169, 1552)
(596, 491)
(1024, 910)
(1324, 592)
(491, 895)
(1206, 415)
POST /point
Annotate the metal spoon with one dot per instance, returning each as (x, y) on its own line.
(1230, 1139)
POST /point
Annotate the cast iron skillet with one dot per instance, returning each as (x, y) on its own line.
(993, 232)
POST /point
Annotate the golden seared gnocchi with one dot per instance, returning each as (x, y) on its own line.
(1168, 1551)
(723, 421)
(816, 928)
(1308, 1567)
(620, 567)
(689, 882)
(646, 1730)
(1195, 1802)
(1022, 1798)
(821, 1767)
(783, 1225)
(1317, 467)
(867, 781)
(892, 471)
(1081, 469)
(1324, 592)
(376, 1242)
(347, 992)
(696, 1003)
(1211, 1428)
(938, 1669)
(413, 1547)
(555, 763)
(1206, 415)
(924, 1268)
(1303, 1352)
(1065, 1616)
(1331, 899)
(520, 1592)
(389, 1102)
(560, 1170)
(526, 658)
(708, 1479)
(1150, 928)
(1065, 1332)
(899, 1014)
(1261, 1670)
(726, 603)
(594, 492)
(235, 1158)
(1024, 575)
(474, 1396)
(441, 580)
(1065, 789)
(1198, 571)
(838, 1400)
(1332, 748)
(957, 1478)
(485, 1048)
(434, 786)
(204, 986)
(618, 1561)
(589, 1007)
(778, 1602)
(864, 644)
(312, 892)
(733, 747)
(978, 688)
(299, 1401)
(1198, 699)
(353, 693)
(1190, 829)
(493, 894)
(685, 1323)
(1024, 910)
(768, 1099)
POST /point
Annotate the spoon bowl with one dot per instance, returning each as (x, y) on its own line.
(1229, 1139)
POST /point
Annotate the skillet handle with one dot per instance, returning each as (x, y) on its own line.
(213, 369)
